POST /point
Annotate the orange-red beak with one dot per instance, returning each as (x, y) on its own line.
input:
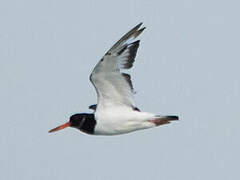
(60, 127)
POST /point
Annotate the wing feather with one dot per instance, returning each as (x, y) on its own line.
(114, 87)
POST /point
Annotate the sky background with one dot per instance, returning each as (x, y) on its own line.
(187, 65)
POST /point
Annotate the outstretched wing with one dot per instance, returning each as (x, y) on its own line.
(113, 87)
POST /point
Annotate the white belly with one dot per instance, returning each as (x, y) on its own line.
(114, 122)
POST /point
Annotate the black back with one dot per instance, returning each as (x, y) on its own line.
(84, 122)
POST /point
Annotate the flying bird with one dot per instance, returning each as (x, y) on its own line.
(115, 112)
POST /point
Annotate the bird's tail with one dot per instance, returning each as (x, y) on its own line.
(160, 120)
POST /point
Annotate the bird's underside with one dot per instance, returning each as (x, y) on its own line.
(116, 113)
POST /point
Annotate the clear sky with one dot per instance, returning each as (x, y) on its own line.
(187, 65)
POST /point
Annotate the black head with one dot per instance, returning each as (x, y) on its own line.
(84, 122)
(77, 120)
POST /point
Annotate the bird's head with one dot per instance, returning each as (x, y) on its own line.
(76, 121)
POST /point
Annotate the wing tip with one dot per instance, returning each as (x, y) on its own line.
(134, 32)
(137, 31)
(140, 31)
(138, 26)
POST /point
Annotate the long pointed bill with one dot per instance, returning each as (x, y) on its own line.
(60, 127)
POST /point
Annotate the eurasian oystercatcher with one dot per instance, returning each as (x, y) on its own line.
(115, 112)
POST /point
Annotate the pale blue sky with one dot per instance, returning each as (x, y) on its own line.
(188, 65)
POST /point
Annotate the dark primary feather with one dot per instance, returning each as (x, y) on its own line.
(128, 79)
(134, 32)
(132, 51)
(132, 54)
